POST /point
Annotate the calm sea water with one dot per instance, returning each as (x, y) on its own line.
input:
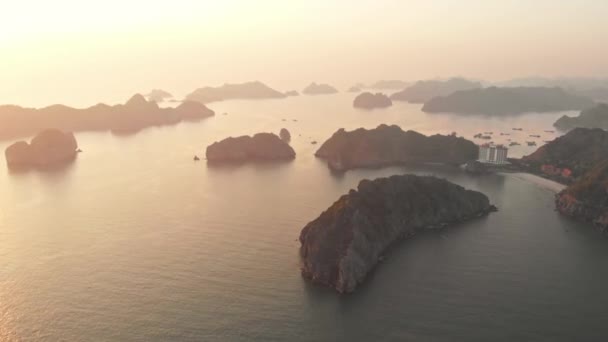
(136, 242)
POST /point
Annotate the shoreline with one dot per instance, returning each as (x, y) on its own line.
(538, 180)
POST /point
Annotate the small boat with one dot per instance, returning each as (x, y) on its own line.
(314, 142)
(534, 136)
(486, 137)
(531, 143)
(488, 132)
(549, 131)
(478, 135)
(514, 143)
(196, 158)
(505, 133)
(518, 129)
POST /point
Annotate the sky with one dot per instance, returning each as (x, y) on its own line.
(82, 52)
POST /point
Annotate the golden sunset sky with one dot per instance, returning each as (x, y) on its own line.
(80, 52)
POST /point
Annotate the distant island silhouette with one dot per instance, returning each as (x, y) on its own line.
(136, 114)
(158, 95)
(368, 100)
(422, 91)
(248, 90)
(595, 117)
(595, 88)
(504, 101)
(319, 89)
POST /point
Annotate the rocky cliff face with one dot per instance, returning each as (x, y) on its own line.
(369, 101)
(587, 198)
(389, 145)
(262, 146)
(48, 148)
(343, 245)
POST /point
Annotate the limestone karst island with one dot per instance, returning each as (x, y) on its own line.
(303, 171)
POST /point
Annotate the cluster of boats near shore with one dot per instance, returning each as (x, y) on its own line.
(489, 136)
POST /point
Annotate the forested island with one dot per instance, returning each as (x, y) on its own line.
(341, 246)
(390, 145)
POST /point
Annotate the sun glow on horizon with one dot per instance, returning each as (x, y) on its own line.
(114, 48)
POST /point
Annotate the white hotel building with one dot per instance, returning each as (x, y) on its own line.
(493, 154)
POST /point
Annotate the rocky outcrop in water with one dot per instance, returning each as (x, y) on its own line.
(595, 117)
(248, 90)
(285, 135)
(370, 101)
(341, 246)
(319, 89)
(262, 146)
(390, 145)
(578, 150)
(587, 198)
(136, 114)
(48, 148)
(422, 91)
(505, 101)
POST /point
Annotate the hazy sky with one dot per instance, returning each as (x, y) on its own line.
(81, 52)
